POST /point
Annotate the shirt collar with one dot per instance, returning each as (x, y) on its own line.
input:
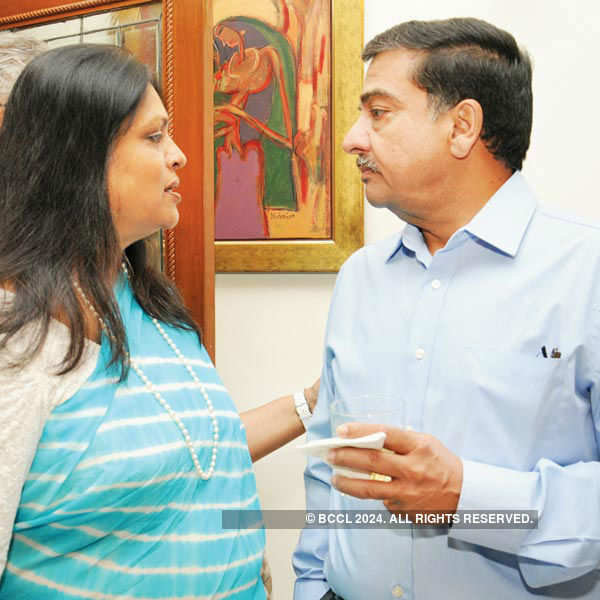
(504, 219)
(501, 222)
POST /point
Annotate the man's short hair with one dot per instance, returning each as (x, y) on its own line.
(16, 50)
(469, 58)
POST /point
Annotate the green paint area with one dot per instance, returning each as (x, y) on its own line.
(279, 190)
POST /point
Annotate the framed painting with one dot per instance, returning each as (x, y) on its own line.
(173, 37)
(287, 76)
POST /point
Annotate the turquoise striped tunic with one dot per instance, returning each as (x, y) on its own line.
(112, 507)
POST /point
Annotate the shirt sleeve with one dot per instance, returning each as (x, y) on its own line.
(28, 396)
(566, 542)
(311, 552)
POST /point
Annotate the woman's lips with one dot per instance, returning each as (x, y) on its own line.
(175, 195)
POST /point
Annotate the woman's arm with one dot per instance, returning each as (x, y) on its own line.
(28, 396)
(24, 407)
(276, 423)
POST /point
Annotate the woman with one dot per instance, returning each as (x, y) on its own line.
(120, 446)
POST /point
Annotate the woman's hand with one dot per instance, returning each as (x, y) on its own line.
(276, 423)
(312, 394)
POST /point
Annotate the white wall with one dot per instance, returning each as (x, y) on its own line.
(270, 327)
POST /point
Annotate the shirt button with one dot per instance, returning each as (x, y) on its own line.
(420, 354)
(436, 284)
(397, 591)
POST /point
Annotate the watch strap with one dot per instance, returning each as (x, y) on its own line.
(302, 407)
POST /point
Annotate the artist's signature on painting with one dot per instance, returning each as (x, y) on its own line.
(278, 215)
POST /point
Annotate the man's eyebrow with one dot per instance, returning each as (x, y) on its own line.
(378, 92)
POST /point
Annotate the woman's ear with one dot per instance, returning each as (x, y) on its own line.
(467, 118)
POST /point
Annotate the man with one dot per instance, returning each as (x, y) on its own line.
(483, 316)
(16, 50)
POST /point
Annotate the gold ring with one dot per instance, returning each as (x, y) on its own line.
(379, 477)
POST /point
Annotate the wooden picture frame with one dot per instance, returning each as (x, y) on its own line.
(347, 220)
(188, 250)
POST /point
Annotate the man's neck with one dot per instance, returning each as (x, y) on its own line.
(460, 206)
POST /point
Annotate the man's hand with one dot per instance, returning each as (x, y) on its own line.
(426, 476)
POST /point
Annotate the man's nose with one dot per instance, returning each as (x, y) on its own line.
(357, 139)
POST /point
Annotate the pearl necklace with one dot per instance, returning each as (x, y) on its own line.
(150, 387)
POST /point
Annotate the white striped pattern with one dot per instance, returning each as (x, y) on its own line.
(78, 414)
(140, 483)
(170, 477)
(82, 593)
(159, 360)
(63, 446)
(45, 477)
(163, 417)
(147, 484)
(158, 508)
(152, 450)
(93, 385)
(111, 565)
(39, 507)
(172, 537)
(124, 485)
(169, 387)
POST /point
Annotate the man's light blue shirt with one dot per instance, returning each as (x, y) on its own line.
(459, 337)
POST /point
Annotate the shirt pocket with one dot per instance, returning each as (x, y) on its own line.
(517, 405)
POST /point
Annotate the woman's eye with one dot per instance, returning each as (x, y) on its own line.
(155, 137)
(377, 113)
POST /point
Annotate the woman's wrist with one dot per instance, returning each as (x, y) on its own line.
(312, 394)
(302, 407)
(311, 398)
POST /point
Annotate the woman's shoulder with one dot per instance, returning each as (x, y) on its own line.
(39, 374)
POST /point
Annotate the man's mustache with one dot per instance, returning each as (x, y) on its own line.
(362, 162)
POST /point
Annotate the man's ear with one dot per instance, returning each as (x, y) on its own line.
(467, 117)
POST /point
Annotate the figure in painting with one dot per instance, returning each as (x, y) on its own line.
(250, 147)
(272, 149)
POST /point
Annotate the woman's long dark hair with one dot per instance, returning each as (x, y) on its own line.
(61, 121)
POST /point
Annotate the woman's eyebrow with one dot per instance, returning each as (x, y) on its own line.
(157, 121)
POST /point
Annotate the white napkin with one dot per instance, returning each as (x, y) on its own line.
(319, 449)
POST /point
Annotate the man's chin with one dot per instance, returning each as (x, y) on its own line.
(367, 175)
(376, 201)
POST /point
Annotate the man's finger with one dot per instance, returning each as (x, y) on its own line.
(367, 460)
(362, 488)
(401, 441)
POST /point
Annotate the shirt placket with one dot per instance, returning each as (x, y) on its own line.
(428, 311)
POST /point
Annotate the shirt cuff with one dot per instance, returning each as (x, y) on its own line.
(487, 487)
(310, 589)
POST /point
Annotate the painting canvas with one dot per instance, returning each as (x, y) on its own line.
(272, 119)
(286, 79)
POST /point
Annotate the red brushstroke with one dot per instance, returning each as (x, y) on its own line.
(322, 53)
(286, 17)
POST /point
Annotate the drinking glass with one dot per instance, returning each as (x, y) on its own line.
(379, 409)
(384, 409)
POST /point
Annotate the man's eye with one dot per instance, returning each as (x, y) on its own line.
(377, 113)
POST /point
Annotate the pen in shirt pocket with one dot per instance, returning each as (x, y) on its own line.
(554, 353)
